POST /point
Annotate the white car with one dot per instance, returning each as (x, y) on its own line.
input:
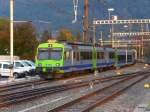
(31, 65)
(5, 70)
(22, 65)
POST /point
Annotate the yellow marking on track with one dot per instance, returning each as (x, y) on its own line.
(146, 85)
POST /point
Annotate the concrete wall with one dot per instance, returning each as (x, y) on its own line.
(7, 58)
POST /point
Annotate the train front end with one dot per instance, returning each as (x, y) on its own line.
(49, 59)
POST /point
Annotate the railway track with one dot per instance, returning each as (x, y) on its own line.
(100, 96)
(21, 85)
(16, 97)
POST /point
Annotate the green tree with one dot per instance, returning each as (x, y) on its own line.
(78, 37)
(65, 35)
(4, 37)
(25, 41)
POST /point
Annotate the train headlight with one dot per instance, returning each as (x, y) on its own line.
(57, 64)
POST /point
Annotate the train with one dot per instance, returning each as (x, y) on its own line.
(55, 59)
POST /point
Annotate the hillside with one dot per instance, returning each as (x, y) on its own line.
(60, 12)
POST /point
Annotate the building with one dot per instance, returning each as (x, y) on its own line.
(7, 57)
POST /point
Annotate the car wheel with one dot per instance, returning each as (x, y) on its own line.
(15, 75)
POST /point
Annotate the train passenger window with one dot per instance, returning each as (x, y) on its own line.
(111, 55)
(129, 57)
(121, 58)
(76, 55)
(100, 55)
(86, 55)
(0, 65)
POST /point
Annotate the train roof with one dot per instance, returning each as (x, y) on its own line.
(82, 45)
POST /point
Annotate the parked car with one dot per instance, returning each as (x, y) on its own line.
(5, 70)
(31, 65)
(22, 65)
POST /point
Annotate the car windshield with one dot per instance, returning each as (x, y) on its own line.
(31, 63)
(27, 63)
(50, 54)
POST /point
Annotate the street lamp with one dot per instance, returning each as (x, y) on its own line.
(109, 11)
(111, 27)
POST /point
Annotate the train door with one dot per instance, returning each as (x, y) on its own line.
(68, 57)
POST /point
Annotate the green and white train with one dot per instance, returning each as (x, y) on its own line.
(55, 59)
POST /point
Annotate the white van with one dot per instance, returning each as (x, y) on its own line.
(22, 65)
(5, 70)
(31, 65)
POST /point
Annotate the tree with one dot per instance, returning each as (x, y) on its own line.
(25, 42)
(46, 35)
(78, 37)
(65, 35)
(4, 37)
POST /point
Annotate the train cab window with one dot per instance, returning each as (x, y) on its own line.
(100, 55)
(111, 55)
(43, 54)
(55, 53)
(50, 54)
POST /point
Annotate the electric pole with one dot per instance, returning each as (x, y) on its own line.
(85, 22)
(142, 43)
(11, 33)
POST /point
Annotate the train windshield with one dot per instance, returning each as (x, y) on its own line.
(50, 54)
